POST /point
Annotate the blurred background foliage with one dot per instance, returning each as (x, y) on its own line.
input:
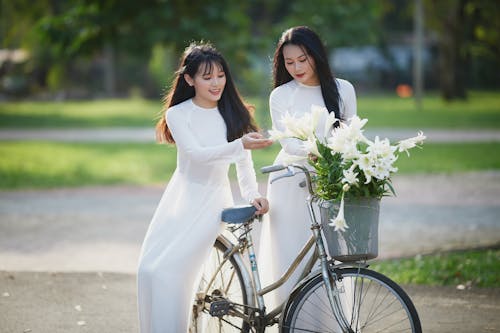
(110, 61)
(80, 49)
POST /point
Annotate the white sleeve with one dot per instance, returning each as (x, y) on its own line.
(278, 106)
(246, 178)
(348, 103)
(185, 141)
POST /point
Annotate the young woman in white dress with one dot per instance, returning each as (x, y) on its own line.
(211, 126)
(302, 78)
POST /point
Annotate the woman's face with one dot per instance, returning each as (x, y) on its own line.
(208, 83)
(300, 65)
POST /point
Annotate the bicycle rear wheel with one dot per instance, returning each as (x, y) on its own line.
(371, 302)
(222, 283)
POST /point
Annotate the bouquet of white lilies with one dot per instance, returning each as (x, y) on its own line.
(347, 164)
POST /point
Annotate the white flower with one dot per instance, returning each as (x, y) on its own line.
(381, 147)
(405, 145)
(311, 147)
(339, 222)
(338, 141)
(365, 161)
(316, 112)
(330, 120)
(350, 176)
(381, 171)
(345, 138)
(275, 134)
(343, 142)
(351, 150)
(303, 127)
(288, 159)
(355, 128)
(357, 123)
(369, 173)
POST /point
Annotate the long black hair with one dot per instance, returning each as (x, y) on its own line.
(311, 44)
(236, 114)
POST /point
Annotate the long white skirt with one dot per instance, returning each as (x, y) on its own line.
(179, 239)
(283, 234)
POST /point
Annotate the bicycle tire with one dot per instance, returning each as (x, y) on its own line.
(382, 305)
(228, 284)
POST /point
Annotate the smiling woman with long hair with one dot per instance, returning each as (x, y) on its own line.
(211, 126)
(302, 78)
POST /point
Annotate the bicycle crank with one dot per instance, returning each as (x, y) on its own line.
(219, 308)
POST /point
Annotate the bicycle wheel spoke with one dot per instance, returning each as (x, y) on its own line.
(298, 329)
(375, 305)
(384, 310)
(357, 310)
(224, 289)
(316, 306)
(229, 283)
(369, 301)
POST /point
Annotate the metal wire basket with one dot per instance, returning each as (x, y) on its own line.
(360, 240)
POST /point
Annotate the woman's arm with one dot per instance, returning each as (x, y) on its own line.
(246, 178)
(278, 104)
(187, 143)
(248, 184)
(348, 103)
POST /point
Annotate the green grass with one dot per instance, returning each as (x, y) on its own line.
(479, 268)
(99, 113)
(481, 110)
(450, 157)
(46, 164)
(53, 164)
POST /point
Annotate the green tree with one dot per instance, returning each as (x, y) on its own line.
(153, 31)
(468, 31)
(84, 27)
(339, 23)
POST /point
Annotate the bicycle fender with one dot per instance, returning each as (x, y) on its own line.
(243, 268)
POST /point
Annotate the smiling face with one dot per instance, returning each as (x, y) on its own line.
(208, 82)
(300, 65)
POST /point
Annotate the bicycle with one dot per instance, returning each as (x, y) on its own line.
(345, 297)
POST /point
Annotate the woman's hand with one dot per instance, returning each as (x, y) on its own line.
(261, 204)
(254, 140)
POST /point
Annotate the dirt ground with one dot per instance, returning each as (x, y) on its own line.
(105, 302)
(68, 256)
(101, 228)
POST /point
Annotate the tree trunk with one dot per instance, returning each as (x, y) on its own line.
(109, 70)
(418, 47)
(453, 57)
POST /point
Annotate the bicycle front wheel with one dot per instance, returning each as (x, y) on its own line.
(221, 287)
(370, 302)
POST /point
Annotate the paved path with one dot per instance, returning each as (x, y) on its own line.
(68, 256)
(106, 303)
(102, 227)
(148, 135)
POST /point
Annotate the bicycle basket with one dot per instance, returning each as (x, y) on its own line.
(360, 240)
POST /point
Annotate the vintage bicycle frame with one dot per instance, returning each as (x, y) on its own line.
(319, 253)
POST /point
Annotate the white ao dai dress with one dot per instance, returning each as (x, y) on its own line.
(187, 219)
(288, 227)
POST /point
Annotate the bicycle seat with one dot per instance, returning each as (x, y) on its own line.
(237, 215)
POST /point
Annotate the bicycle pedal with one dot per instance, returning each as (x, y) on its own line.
(219, 308)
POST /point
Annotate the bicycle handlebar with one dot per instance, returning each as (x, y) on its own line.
(278, 167)
(272, 168)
